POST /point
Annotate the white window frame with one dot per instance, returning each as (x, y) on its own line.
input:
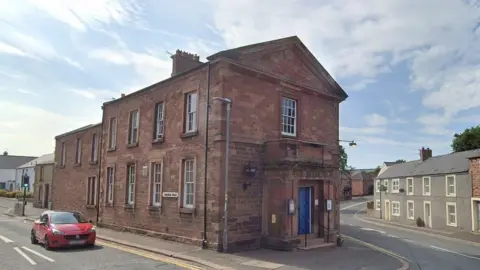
(447, 190)
(429, 193)
(191, 112)
(112, 135)
(393, 208)
(448, 214)
(159, 120)
(408, 186)
(110, 183)
(94, 147)
(156, 183)
(385, 183)
(187, 172)
(133, 129)
(411, 217)
(63, 154)
(395, 188)
(91, 190)
(377, 204)
(78, 152)
(131, 183)
(289, 107)
(377, 186)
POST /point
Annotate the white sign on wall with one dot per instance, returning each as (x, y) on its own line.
(329, 205)
(170, 194)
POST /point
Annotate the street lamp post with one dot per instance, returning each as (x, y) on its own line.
(227, 146)
(351, 143)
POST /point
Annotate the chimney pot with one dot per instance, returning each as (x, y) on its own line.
(183, 61)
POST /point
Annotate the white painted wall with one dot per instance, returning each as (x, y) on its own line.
(7, 176)
(30, 171)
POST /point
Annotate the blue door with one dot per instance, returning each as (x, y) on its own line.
(304, 211)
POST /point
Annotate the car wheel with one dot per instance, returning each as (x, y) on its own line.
(46, 244)
(33, 238)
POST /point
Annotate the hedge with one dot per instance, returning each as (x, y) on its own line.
(14, 194)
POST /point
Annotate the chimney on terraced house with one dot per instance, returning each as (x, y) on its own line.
(425, 154)
(183, 61)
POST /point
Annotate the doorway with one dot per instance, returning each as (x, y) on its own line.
(388, 215)
(427, 210)
(47, 191)
(305, 210)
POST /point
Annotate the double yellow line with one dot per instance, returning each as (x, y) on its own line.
(149, 255)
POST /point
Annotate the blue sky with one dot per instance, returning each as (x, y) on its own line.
(411, 69)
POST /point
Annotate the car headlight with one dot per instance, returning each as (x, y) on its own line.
(93, 229)
(57, 232)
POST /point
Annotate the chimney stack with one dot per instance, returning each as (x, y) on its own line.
(183, 61)
(425, 154)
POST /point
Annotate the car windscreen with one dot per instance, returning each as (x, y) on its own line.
(67, 218)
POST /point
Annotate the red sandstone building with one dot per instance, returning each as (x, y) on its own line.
(153, 160)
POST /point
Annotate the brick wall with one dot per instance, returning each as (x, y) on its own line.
(69, 190)
(475, 174)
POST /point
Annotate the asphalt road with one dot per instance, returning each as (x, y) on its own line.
(422, 251)
(17, 253)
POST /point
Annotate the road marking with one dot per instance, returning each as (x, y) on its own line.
(149, 255)
(393, 236)
(408, 240)
(5, 239)
(350, 206)
(453, 252)
(25, 256)
(367, 229)
(341, 221)
(39, 254)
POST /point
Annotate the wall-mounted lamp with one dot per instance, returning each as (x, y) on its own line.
(250, 171)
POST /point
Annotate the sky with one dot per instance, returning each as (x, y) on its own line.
(411, 68)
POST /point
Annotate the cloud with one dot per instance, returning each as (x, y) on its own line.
(375, 119)
(29, 125)
(364, 130)
(95, 93)
(434, 124)
(27, 92)
(8, 49)
(111, 56)
(362, 84)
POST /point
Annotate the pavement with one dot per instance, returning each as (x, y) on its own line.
(423, 250)
(122, 250)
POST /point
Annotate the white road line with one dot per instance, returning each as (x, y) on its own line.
(446, 250)
(350, 206)
(408, 240)
(5, 239)
(25, 256)
(393, 236)
(38, 254)
(367, 229)
(341, 221)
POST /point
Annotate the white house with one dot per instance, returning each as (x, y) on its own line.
(29, 169)
(8, 166)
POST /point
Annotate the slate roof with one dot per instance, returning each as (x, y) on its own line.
(391, 163)
(12, 162)
(45, 159)
(77, 130)
(444, 164)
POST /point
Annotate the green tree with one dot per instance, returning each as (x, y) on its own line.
(467, 140)
(400, 161)
(377, 170)
(344, 168)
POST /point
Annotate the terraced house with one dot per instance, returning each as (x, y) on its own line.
(438, 190)
(162, 161)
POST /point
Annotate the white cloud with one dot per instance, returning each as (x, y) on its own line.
(363, 130)
(73, 63)
(434, 124)
(29, 125)
(5, 48)
(375, 119)
(98, 94)
(362, 84)
(108, 55)
(27, 92)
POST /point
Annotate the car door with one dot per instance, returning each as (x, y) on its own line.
(42, 227)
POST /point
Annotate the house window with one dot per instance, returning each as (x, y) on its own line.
(452, 214)
(91, 184)
(131, 184)
(63, 155)
(78, 155)
(110, 183)
(396, 209)
(395, 185)
(409, 186)
(156, 184)
(94, 148)
(450, 185)
(112, 133)
(188, 183)
(410, 210)
(133, 128)
(377, 186)
(377, 205)
(191, 112)
(159, 112)
(289, 117)
(385, 184)
(426, 186)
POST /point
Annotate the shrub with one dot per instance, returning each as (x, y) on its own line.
(14, 194)
(370, 205)
(420, 222)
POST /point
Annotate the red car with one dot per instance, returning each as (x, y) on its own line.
(61, 229)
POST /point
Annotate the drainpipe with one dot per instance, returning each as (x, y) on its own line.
(99, 158)
(205, 157)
